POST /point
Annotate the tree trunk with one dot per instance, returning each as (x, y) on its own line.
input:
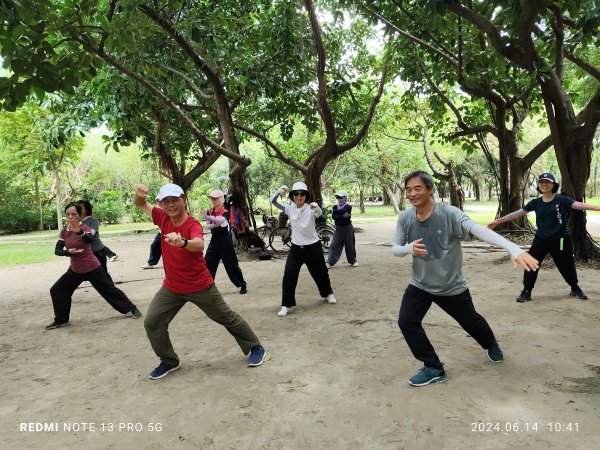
(573, 148)
(313, 178)
(57, 187)
(393, 199)
(476, 189)
(38, 202)
(361, 194)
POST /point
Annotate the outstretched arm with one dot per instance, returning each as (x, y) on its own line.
(584, 206)
(507, 218)
(518, 256)
(139, 199)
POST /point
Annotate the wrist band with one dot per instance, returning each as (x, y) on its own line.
(185, 241)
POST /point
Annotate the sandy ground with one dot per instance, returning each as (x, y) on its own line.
(338, 374)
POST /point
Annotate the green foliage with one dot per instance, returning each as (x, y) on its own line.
(109, 207)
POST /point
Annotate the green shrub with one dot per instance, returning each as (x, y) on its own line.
(109, 207)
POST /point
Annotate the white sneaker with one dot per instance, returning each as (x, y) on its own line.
(113, 258)
(328, 265)
(148, 266)
(330, 299)
(284, 311)
(355, 264)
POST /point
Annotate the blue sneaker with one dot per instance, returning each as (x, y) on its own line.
(257, 356)
(428, 375)
(494, 354)
(162, 371)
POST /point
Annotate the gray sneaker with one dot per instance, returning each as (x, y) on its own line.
(428, 375)
(148, 266)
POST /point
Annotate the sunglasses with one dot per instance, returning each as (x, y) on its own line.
(298, 193)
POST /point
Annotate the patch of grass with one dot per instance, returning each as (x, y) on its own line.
(38, 246)
(19, 254)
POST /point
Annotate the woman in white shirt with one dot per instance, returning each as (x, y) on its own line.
(306, 246)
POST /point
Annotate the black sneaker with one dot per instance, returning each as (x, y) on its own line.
(136, 313)
(494, 354)
(243, 290)
(577, 292)
(525, 296)
(56, 324)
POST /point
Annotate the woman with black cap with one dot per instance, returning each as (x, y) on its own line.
(343, 237)
(306, 246)
(552, 235)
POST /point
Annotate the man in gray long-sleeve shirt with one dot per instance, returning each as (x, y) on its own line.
(431, 232)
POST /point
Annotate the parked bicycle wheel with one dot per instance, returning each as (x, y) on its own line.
(280, 239)
(325, 235)
(262, 231)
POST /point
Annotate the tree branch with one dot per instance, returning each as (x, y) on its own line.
(278, 153)
(324, 109)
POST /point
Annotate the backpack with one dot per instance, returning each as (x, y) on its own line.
(264, 255)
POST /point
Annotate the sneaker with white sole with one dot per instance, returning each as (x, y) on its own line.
(136, 313)
(494, 354)
(355, 264)
(257, 356)
(428, 375)
(148, 266)
(330, 299)
(113, 258)
(284, 311)
(162, 371)
(328, 265)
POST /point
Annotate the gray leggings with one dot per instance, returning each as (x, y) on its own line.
(342, 238)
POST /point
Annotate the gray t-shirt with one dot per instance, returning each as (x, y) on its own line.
(440, 271)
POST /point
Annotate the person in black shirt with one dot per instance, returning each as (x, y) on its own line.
(552, 235)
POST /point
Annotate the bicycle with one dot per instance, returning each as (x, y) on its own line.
(270, 223)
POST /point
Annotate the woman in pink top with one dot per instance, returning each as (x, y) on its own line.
(75, 242)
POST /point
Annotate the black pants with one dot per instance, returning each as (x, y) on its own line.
(221, 248)
(155, 250)
(312, 256)
(415, 304)
(564, 260)
(62, 292)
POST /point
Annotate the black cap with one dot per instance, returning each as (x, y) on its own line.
(547, 176)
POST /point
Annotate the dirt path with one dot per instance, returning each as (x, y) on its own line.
(338, 374)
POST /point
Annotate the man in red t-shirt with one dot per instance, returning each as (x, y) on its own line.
(186, 280)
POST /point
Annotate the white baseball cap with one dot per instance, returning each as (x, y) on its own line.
(341, 193)
(169, 190)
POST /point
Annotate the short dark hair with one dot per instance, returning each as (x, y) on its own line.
(75, 205)
(87, 205)
(423, 176)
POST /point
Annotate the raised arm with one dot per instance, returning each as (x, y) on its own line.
(282, 190)
(507, 218)
(139, 199)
